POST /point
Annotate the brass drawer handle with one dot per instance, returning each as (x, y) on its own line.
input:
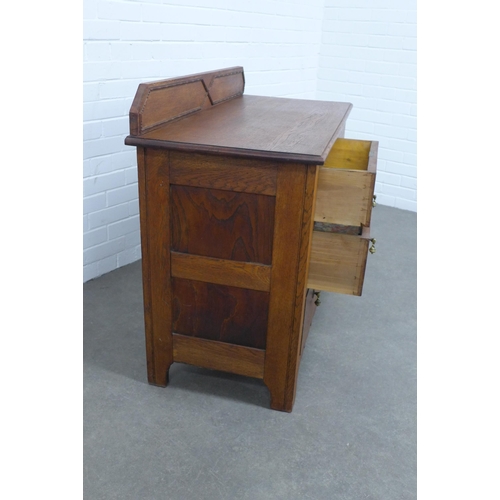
(374, 201)
(372, 248)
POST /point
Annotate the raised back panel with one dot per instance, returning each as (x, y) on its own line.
(171, 102)
(226, 86)
(163, 101)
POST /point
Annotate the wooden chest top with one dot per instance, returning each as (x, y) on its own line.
(295, 130)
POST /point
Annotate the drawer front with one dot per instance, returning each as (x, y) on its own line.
(337, 262)
(346, 183)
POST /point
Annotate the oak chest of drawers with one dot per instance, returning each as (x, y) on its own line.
(249, 206)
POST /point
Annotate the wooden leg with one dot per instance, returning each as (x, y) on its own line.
(279, 400)
(160, 380)
(154, 196)
(158, 374)
(292, 236)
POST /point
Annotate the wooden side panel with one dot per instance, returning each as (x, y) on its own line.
(217, 312)
(155, 234)
(221, 272)
(287, 290)
(219, 172)
(222, 224)
(219, 356)
(338, 262)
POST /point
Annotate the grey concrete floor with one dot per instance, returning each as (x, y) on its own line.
(211, 435)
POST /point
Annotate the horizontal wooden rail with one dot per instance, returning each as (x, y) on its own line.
(218, 172)
(214, 355)
(221, 271)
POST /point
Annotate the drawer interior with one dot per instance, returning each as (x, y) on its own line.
(346, 184)
(349, 154)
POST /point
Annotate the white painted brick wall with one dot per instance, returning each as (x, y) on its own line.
(368, 58)
(128, 42)
(350, 50)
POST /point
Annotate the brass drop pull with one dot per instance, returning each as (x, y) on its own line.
(374, 201)
(317, 301)
(372, 248)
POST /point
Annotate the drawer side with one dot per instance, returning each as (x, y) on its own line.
(338, 262)
(346, 184)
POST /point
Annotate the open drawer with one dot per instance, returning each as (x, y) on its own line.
(346, 183)
(338, 262)
(344, 201)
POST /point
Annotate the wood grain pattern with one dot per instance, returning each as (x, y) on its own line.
(301, 288)
(288, 130)
(217, 312)
(350, 154)
(221, 272)
(226, 86)
(338, 262)
(217, 172)
(344, 197)
(328, 227)
(214, 355)
(227, 192)
(160, 102)
(284, 276)
(155, 230)
(346, 186)
(172, 102)
(146, 265)
(222, 224)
